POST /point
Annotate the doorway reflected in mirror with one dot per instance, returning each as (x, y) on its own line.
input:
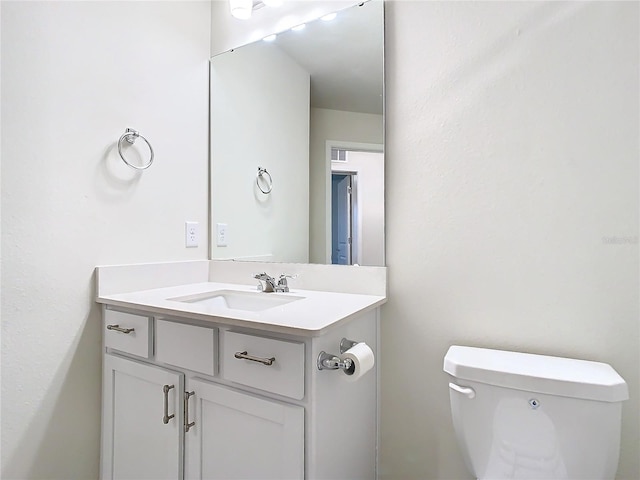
(357, 205)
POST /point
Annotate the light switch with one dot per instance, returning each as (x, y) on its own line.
(221, 234)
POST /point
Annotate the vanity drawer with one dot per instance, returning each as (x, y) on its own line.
(127, 332)
(268, 364)
(186, 346)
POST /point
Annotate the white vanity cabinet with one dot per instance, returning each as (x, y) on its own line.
(237, 435)
(188, 399)
(140, 440)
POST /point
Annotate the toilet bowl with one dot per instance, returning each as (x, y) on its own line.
(535, 417)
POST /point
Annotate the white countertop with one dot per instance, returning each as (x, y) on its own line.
(312, 315)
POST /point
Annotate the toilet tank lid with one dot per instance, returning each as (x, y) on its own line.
(537, 373)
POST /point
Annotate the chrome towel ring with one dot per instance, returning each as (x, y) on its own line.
(130, 135)
(262, 174)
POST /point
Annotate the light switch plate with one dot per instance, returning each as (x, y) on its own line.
(221, 235)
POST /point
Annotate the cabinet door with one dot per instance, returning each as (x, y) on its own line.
(137, 444)
(241, 436)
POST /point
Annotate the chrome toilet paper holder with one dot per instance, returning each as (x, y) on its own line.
(328, 361)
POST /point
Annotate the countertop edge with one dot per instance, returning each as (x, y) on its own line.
(236, 322)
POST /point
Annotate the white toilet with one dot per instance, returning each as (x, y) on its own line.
(534, 417)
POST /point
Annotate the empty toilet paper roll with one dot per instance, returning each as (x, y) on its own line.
(362, 359)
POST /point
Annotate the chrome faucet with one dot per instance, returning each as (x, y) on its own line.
(270, 284)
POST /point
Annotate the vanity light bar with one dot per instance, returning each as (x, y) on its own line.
(241, 9)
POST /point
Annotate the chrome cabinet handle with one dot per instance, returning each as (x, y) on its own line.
(118, 328)
(167, 417)
(187, 424)
(264, 361)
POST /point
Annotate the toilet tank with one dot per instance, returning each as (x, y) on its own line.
(525, 416)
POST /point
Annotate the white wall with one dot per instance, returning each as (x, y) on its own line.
(332, 125)
(74, 76)
(260, 118)
(512, 204)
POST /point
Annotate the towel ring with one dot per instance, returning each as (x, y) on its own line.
(269, 182)
(130, 135)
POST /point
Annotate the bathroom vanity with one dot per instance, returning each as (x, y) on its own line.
(218, 381)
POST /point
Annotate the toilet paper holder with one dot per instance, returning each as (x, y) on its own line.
(328, 361)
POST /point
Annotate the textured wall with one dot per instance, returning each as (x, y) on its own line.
(74, 76)
(512, 204)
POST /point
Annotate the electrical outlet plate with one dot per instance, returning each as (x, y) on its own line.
(191, 234)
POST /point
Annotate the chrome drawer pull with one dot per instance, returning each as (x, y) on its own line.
(118, 328)
(187, 425)
(264, 361)
(167, 417)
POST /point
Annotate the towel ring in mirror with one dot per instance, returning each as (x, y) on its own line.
(263, 174)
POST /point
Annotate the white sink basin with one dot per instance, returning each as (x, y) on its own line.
(237, 300)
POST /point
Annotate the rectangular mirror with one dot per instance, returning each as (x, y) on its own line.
(297, 154)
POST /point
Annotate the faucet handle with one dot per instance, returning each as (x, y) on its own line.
(282, 281)
(259, 276)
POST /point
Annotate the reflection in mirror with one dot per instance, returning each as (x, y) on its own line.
(297, 144)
